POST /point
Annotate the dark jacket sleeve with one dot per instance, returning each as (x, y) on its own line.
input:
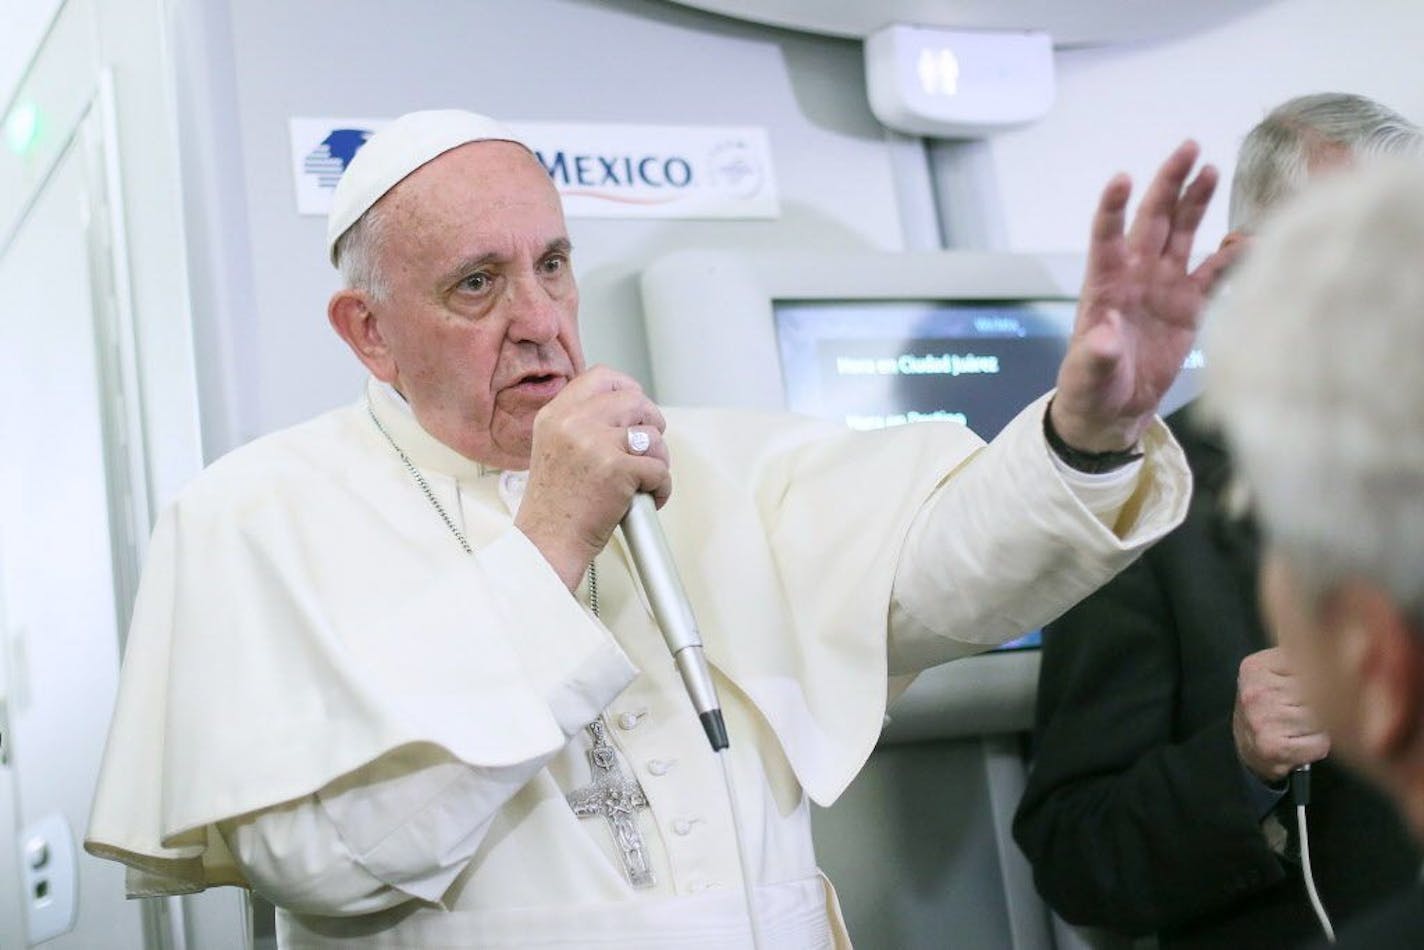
(1134, 819)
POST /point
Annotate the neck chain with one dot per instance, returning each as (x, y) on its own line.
(611, 795)
(450, 522)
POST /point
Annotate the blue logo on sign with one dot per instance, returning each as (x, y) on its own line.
(329, 159)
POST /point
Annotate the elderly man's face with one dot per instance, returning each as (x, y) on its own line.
(481, 315)
(1361, 662)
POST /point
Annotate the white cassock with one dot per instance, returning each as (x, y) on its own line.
(326, 699)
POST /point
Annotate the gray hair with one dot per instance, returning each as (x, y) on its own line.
(1316, 373)
(1278, 155)
(358, 252)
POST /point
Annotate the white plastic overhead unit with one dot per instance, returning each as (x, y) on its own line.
(958, 83)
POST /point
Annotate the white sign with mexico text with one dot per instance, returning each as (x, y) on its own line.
(601, 171)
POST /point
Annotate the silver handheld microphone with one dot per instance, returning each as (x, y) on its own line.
(673, 613)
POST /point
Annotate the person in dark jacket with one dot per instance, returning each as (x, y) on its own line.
(1167, 723)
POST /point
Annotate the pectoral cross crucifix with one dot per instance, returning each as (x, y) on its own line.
(617, 798)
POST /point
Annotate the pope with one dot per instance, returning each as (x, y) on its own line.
(392, 668)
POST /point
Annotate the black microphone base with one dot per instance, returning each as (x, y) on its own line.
(715, 728)
(1300, 785)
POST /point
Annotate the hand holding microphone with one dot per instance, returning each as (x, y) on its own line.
(598, 460)
(583, 470)
(1275, 731)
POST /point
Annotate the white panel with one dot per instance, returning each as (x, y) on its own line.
(22, 26)
(49, 855)
(58, 583)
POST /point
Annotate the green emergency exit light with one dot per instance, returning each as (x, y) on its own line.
(22, 127)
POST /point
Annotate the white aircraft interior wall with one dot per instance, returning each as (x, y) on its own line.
(268, 357)
(101, 415)
(26, 25)
(58, 600)
(573, 60)
(1124, 107)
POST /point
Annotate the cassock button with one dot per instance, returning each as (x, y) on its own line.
(660, 766)
(628, 721)
(682, 827)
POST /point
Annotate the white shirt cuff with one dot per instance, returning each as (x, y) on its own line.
(1102, 493)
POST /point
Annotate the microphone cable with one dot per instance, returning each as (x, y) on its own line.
(1300, 795)
(654, 563)
(748, 881)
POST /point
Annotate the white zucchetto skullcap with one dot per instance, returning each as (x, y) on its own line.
(398, 149)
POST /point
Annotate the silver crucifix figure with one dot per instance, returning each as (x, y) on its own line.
(616, 798)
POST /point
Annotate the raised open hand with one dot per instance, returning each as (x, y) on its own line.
(1139, 308)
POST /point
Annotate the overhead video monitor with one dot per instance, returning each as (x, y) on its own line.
(875, 364)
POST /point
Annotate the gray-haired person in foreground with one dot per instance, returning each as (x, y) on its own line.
(1316, 372)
